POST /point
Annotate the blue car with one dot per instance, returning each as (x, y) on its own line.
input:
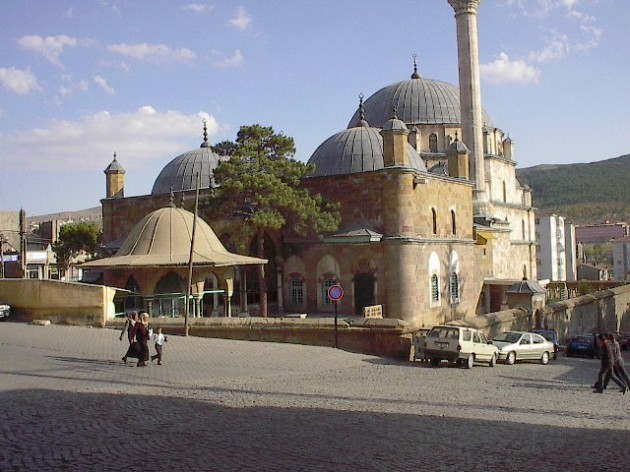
(583, 345)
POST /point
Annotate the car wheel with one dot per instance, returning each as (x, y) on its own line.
(470, 361)
(493, 361)
(511, 358)
(555, 356)
(544, 359)
(435, 362)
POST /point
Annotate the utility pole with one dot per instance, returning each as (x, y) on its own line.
(2, 241)
(190, 259)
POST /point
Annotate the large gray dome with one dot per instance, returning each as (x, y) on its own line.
(358, 149)
(417, 101)
(181, 172)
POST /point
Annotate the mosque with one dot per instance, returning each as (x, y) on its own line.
(434, 224)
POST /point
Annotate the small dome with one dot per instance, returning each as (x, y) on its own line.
(167, 232)
(163, 238)
(418, 101)
(457, 147)
(354, 150)
(181, 173)
(394, 124)
(114, 167)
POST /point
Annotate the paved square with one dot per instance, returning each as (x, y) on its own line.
(69, 403)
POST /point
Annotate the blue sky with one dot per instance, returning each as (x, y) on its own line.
(80, 80)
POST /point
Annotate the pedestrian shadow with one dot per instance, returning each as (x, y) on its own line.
(85, 361)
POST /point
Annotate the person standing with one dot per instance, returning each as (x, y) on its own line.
(618, 367)
(130, 328)
(606, 367)
(159, 339)
(142, 340)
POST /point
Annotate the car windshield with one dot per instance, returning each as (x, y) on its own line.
(509, 337)
(583, 339)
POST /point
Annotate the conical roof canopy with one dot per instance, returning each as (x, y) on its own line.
(162, 239)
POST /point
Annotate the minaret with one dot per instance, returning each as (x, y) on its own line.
(115, 183)
(470, 95)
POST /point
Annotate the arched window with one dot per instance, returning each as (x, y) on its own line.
(434, 216)
(326, 284)
(453, 222)
(454, 288)
(433, 142)
(434, 280)
(435, 289)
(296, 288)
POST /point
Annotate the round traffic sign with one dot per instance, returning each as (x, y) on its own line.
(335, 293)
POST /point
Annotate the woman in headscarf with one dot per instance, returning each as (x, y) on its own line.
(142, 340)
(130, 328)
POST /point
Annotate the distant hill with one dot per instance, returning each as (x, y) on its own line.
(584, 193)
(89, 214)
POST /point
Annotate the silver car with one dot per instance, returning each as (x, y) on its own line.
(521, 345)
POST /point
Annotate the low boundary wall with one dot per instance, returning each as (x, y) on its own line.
(82, 304)
(60, 302)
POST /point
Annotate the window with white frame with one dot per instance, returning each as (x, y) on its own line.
(454, 288)
(435, 289)
(296, 289)
(434, 280)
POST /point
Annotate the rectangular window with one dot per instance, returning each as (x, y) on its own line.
(297, 292)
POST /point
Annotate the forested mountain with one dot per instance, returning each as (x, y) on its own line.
(584, 193)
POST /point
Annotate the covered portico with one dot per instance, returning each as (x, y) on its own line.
(155, 259)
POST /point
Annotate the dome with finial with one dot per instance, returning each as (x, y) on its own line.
(418, 101)
(181, 173)
(394, 124)
(114, 167)
(357, 149)
(457, 147)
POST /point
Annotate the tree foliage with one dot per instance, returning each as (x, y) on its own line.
(585, 193)
(76, 239)
(261, 185)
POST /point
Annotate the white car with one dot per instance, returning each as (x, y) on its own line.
(5, 310)
(522, 345)
(460, 345)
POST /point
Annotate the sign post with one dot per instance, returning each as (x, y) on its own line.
(335, 293)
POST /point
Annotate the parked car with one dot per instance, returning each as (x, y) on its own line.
(624, 340)
(521, 346)
(582, 345)
(5, 311)
(459, 345)
(418, 344)
(550, 335)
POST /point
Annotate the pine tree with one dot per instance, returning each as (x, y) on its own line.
(261, 185)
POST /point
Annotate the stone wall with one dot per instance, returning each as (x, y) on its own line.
(59, 302)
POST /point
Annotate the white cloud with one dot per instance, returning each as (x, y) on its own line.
(242, 20)
(556, 49)
(152, 52)
(503, 71)
(198, 7)
(236, 60)
(102, 82)
(50, 47)
(18, 80)
(86, 144)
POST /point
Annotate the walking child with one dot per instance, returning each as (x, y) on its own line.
(159, 340)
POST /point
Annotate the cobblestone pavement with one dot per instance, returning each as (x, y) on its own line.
(68, 402)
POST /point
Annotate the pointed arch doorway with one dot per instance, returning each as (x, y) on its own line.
(364, 291)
